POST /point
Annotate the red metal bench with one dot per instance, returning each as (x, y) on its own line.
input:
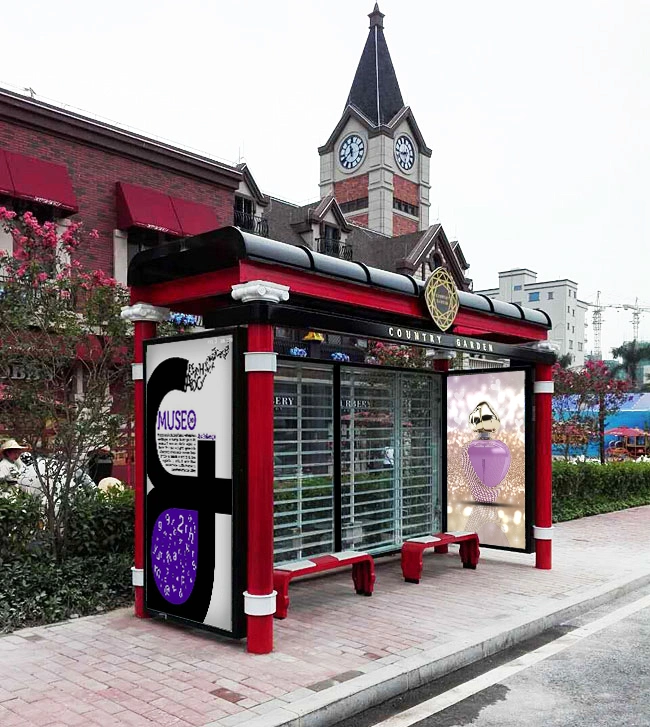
(363, 574)
(413, 549)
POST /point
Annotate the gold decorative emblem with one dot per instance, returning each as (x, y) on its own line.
(441, 298)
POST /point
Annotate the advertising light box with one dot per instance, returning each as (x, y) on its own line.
(193, 560)
(487, 464)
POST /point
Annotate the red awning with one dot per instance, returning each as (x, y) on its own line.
(142, 207)
(40, 181)
(6, 185)
(194, 218)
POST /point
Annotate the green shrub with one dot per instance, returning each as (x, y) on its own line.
(20, 523)
(37, 590)
(101, 522)
(94, 576)
(589, 488)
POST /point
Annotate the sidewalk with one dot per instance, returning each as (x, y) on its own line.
(335, 654)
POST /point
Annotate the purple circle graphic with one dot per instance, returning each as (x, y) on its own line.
(174, 549)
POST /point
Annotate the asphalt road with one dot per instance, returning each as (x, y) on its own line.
(592, 672)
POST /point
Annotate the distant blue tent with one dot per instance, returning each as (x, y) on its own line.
(634, 413)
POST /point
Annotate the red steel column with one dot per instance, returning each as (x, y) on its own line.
(144, 318)
(442, 360)
(142, 331)
(259, 598)
(543, 530)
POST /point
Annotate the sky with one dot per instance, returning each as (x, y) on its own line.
(538, 115)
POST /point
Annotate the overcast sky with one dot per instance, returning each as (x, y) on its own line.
(538, 115)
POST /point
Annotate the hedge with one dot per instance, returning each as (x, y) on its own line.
(102, 523)
(95, 576)
(589, 488)
(37, 590)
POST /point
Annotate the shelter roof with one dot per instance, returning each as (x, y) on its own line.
(225, 248)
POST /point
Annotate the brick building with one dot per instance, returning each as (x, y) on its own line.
(135, 191)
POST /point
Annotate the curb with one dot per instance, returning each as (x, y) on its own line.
(356, 695)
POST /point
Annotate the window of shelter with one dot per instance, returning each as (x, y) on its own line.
(356, 448)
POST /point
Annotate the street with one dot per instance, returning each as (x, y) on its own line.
(593, 671)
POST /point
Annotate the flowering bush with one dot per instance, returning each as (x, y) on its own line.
(297, 351)
(584, 399)
(61, 332)
(395, 354)
(338, 356)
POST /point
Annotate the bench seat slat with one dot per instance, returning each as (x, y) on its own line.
(413, 549)
(363, 574)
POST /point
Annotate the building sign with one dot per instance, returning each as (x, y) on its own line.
(282, 402)
(486, 456)
(441, 297)
(363, 404)
(19, 372)
(427, 338)
(189, 463)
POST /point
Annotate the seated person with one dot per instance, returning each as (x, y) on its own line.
(11, 466)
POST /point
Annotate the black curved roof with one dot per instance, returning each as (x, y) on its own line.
(224, 248)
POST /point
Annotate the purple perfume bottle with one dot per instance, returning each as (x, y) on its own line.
(485, 461)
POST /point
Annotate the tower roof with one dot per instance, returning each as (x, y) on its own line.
(375, 91)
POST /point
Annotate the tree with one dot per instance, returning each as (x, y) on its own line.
(65, 352)
(583, 401)
(572, 426)
(609, 395)
(565, 360)
(631, 353)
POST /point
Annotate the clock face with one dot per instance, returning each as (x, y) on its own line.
(404, 153)
(352, 151)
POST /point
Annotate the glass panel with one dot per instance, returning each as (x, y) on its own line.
(419, 456)
(368, 420)
(303, 461)
(390, 454)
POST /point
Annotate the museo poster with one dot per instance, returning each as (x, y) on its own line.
(189, 479)
(486, 458)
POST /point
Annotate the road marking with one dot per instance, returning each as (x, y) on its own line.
(505, 671)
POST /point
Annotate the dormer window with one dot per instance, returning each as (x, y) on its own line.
(246, 219)
(329, 232)
(330, 243)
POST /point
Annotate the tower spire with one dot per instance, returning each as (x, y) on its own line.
(375, 91)
(376, 18)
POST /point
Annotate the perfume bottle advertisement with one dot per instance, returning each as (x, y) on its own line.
(486, 457)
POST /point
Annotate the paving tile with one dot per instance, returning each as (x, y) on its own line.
(113, 669)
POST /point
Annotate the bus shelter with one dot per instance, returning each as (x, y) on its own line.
(316, 413)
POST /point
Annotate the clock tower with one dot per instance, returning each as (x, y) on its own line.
(375, 162)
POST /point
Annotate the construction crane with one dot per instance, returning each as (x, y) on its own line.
(597, 320)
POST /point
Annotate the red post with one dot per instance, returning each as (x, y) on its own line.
(142, 331)
(144, 318)
(259, 598)
(442, 360)
(543, 469)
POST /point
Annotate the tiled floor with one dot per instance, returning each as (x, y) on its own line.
(114, 669)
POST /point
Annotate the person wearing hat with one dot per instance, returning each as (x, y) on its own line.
(11, 465)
